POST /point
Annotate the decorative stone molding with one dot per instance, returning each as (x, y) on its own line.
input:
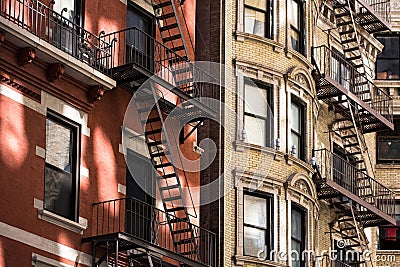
(7, 79)
(2, 36)
(95, 93)
(55, 71)
(26, 56)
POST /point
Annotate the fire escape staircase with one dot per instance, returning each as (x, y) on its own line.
(351, 231)
(345, 84)
(168, 177)
(175, 36)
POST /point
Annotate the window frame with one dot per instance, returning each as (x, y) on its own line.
(268, 15)
(382, 228)
(394, 135)
(269, 236)
(301, 151)
(303, 243)
(391, 58)
(301, 30)
(75, 170)
(269, 122)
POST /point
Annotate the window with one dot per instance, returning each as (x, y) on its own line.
(258, 113)
(140, 184)
(297, 126)
(258, 17)
(68, 13)
(296, 20)
(298, 236)
(340, 69)
(388, 62)
(388, 144)
(61, 181)
(389, 237)
(257, 229)
(70, 9)
(139, 48)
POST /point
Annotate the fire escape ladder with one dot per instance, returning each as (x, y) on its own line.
(175, 34)
(351, 230)
(126, 258)
(164, 160)
(353, 140)
(349, 37)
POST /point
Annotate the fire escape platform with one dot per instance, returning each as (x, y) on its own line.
(132, 76)
(370, 20)
(127, 242)
(372, 216)
(338, 179)
(372, 121)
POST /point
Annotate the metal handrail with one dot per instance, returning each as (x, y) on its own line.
(139, 48)
(148, 223)
(333, 65)
(337, 169)
(50, 26)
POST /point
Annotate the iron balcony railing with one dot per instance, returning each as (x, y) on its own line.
(52, 27)
(331, 166)
(135, 47)
(381, 7)
(145, 222)
(332, 65)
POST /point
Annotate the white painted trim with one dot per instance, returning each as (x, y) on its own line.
(84, 172)
(41, 152)
(23, 100)
(44, 244)
(39, 261)
(122, 189)
(77, 227)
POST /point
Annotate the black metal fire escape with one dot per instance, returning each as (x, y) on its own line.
(151, 69)
(344, 83)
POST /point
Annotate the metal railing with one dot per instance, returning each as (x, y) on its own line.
(331, 64)
(139, 48)
(52, 27)
(381, 7)
(333, 167)
(147, 223)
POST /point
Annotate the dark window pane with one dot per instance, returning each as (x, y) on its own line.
(295, 39)
(60, 168)
(296, 253)
(297, 224)
(58, 192)
(388, 69)
(389, 148)
(254, 241)
(391, 47)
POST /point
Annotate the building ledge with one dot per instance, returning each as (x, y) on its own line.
(51, 54)
(241, 260)
(48, 216)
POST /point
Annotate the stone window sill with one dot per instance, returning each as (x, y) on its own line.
(63, 222)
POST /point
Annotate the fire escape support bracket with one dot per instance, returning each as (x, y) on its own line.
(183, 137)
